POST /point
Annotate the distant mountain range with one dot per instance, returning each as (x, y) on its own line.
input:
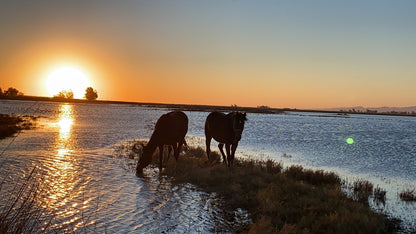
(385, 109)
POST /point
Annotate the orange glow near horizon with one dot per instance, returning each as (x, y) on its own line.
(119, 78)
(270, 54)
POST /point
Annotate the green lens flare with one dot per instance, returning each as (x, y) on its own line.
(350, 140)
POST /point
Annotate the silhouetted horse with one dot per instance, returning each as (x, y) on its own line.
(226, 129)
(170, 129)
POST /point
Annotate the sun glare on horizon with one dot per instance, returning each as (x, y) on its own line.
(67, 78)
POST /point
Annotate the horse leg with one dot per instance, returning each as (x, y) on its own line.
(180, 144)
(160, 157)
(208, 145)
(227, 148)
(233, 148)
(176, 150)
(169, 151)
(221, 146)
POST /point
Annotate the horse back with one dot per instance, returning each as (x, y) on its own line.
(219, 126)
(171, 128)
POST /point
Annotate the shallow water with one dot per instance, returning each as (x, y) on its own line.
(88, 184)
(76, 147)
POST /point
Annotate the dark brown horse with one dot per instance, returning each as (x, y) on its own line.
(226, 129)
(170, 129)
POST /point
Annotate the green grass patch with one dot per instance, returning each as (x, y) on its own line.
(291, 200)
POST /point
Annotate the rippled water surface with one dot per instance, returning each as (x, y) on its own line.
(92, 187)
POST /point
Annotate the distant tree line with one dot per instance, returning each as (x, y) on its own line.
(368, 111)
(66, 94)
(90, 93)
(10, 92)
(263, 107)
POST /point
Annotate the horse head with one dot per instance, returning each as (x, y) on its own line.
(145, 159)
(238, 120)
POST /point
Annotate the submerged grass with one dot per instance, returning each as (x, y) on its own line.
(291, 200)
(379, 195)
(408, 195)
(11, 124)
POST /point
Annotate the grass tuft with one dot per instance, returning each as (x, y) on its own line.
(318, 177)
(380, 195)
(362, 190)
(408, 195)
(22, 213)
(11, 124)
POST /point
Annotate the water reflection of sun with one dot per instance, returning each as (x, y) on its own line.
(62, 171)
(65, 121)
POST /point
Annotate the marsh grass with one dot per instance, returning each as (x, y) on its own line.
(291, 200)
(27, 208)
(11, 124)
(408, 195)
(362, 190)
(379, 195)
(23, 213)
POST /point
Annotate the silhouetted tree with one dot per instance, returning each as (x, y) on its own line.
(67, 94)
(90, 94)
(1, 92)
(12, 92)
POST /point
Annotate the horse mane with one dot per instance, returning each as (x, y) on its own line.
(237, 113)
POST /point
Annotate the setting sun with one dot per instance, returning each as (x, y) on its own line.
(67, 79)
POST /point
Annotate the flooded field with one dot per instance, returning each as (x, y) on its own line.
(83, 163)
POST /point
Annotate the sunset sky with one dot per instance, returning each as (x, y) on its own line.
(296, 54)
